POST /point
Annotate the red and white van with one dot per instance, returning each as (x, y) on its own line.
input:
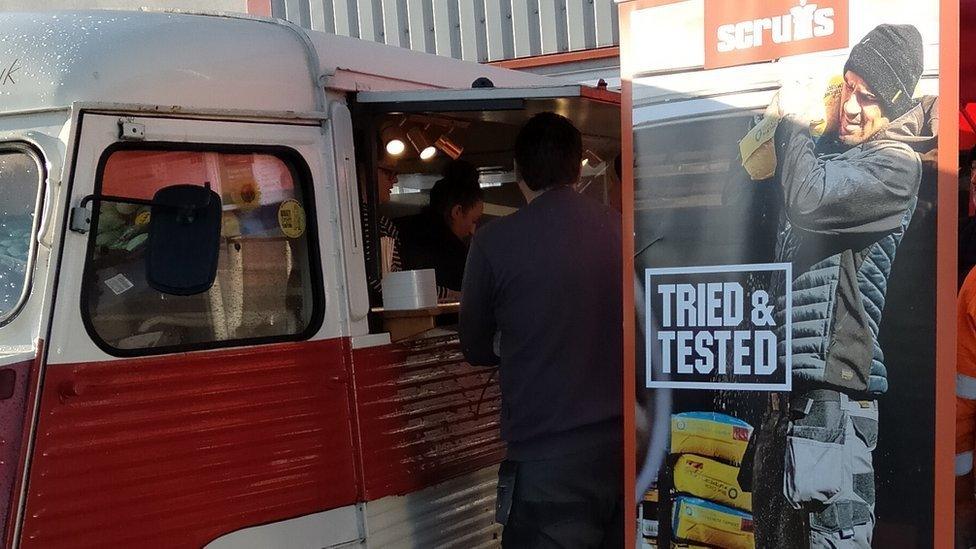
(262, 412)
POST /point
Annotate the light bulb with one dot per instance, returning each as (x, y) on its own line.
(395, 147)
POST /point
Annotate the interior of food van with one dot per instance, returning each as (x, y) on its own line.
(416, 138)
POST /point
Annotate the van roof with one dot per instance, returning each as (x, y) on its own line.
(206, 61)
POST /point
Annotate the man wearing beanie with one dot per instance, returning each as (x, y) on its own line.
(848, 198)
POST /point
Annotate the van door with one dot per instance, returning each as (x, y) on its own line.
(173, 420)
(30, 166)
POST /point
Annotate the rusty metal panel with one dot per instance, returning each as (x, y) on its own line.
(458, 514)
(424, 415)
(174, 451)
(474, 30)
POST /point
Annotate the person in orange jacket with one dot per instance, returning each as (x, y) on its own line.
(966, 412)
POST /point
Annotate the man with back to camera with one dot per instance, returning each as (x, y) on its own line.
(848, 200)
(547, 281)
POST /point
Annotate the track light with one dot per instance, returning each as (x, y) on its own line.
(448, 146)
(395, 147)
(393, 140)
(419, 140)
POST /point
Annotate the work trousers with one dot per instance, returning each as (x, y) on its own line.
(572, 501)
(813, 476)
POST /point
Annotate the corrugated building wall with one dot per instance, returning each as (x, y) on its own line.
(474, 30)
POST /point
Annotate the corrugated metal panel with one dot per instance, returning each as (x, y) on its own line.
(474, 30)
(175, 451)
(457, 513)
(424, 415)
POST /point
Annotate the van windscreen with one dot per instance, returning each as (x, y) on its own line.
(19, 183)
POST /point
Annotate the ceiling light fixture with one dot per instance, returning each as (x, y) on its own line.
(418, 139)
(449, 146)
(393, 139)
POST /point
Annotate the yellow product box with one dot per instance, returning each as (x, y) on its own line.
(711, 480)
(700, 521)
(710, 434)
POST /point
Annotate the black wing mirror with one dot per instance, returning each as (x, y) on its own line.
(184, 239)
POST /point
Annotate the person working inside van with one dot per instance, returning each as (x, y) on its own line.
(547, 280)
(437, 238)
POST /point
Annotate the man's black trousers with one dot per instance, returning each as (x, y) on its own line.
(569, 501)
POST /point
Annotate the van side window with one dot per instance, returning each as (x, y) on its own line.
(268, 285)
(20, 182)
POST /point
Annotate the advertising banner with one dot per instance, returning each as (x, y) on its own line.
(784, 208)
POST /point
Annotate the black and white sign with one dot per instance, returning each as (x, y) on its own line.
(721, 327)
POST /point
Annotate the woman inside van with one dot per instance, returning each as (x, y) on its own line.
(437, 238)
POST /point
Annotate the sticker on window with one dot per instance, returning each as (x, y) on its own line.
(291, 218)
(119, 284)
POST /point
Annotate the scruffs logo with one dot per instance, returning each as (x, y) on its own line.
(738, 32)
(801, 23)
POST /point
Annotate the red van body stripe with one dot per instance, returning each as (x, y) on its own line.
(425, 415)
(26, 389)
(175, 451)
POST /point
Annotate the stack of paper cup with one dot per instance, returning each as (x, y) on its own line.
(404, 290)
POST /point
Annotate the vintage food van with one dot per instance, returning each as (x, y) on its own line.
(186, 357)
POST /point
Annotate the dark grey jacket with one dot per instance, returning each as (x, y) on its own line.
(846, 212)
(548, 280)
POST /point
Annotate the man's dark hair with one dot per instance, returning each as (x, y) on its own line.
(548, 152)
(458, 187)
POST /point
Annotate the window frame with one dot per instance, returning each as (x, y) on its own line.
(35, 154)
(302, 177)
